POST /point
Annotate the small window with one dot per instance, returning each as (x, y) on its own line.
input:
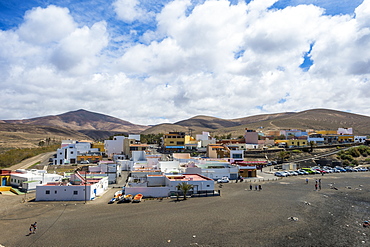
(47, 192)
(75, 192)
(207, 185)
(55, 191)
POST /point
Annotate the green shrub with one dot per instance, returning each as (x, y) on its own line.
(296, 151)
(346, 163)
(15, 156)
(354, 152)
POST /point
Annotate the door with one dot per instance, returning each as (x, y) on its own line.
(3, 182)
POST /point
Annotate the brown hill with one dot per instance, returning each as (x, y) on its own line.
(27, 136)
(318, 119)
(93, 124)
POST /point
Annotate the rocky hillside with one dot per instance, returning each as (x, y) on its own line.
(318, 119)
(95, 125)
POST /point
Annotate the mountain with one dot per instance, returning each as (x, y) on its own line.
(29, 136)
(317, 119)
(95, 125)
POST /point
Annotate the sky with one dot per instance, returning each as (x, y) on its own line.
(152, 61)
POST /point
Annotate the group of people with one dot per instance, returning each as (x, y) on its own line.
(257, 187)
(33, 228)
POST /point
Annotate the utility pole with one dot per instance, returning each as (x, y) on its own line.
(85, 187)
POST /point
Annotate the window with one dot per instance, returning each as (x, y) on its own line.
(75, 192)
(47, 192)
(55, 191)
(207, 185)
(237, 156)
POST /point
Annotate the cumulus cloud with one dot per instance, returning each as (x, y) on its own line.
(210, 57)
(130, 11)
(46, 25)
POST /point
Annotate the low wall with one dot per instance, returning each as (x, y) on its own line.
(148, 191)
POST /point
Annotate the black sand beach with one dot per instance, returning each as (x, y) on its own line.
(239, 217)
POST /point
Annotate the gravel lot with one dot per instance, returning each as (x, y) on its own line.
(239, 217)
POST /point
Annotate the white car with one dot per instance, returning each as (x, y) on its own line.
(223, 180)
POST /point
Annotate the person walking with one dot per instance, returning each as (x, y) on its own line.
(31, 229)
(306, 180)
(34, 225)
(260, 187)
(316, 186)
(250, 187)
(256, 187)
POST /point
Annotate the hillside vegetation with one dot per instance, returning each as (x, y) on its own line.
(15, 156)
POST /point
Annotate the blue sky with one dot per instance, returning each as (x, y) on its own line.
(150, 61)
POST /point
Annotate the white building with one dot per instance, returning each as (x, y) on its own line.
(28, 180)
(360, 139)
(68, 192)
(164, 186)
(214, 170)
(68, 153)
(345, 131)
(114, 146)
(110, 168)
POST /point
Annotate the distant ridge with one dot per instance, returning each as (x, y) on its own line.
(318, 119)
(99, 126)
(95, 125)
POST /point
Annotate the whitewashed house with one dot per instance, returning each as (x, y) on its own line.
(28, 180)
(165, 185)
(65, 191)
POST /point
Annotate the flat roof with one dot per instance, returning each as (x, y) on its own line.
(187, 177)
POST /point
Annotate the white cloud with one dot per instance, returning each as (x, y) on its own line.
(212, 58)
(130, 11)
(79, 51)
(46, 25)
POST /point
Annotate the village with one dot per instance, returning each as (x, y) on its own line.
(167, 170)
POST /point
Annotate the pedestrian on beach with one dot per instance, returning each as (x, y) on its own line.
(31, 229)
(250, 187)
(306, 180)
(316, 186)
(260, 187)
(34, 225)
(256, 187)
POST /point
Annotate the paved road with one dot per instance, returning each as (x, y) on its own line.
(25, 164)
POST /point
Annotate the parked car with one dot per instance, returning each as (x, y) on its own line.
(280, 174)
(84, 162)
(223, 180)
(303, 172)
(293, 173)
(308, 170)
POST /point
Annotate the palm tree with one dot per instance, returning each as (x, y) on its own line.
(184, 187)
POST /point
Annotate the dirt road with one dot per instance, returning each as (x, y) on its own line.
(25, 164)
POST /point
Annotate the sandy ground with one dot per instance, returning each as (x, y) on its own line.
(239, 217)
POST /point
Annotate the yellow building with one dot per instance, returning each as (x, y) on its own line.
(130, 145)
(91, 157)
(217, 151)
(5, 177)
(99, 145)
(327, 132)
(345, 138)
(175, 141)
(292, 143)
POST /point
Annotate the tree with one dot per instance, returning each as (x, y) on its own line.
(184, 187)
(283, 155)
